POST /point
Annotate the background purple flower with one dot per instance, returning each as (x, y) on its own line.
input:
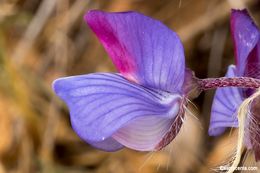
(246, 38)
(140, 108)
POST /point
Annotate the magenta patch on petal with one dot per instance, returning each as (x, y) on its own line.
(119, 54)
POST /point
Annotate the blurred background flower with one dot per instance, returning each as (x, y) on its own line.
(43, 40)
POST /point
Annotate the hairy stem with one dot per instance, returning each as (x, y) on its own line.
(242, 82)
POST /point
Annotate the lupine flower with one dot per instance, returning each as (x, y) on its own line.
(246, 38)
(142, 106)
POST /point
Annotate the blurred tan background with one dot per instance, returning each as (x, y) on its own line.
(41, 40)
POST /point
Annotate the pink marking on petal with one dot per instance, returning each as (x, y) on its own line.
(107, 36)
(130, 77)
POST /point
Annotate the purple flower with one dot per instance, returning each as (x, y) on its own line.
(246, 38)
(142, 106)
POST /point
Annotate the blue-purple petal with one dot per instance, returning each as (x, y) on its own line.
(143, 49)
(245, 37)
(252, 68)
(109, 144)
(224, 109)
(144, 133)
(101, 104)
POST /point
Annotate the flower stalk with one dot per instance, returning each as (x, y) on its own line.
(241, 82)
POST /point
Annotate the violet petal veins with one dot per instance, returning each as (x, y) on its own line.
(142, 106)
(246, 38)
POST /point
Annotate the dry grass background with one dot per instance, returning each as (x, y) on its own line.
(43, 40)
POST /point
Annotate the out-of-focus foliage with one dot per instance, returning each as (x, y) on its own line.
(43, 40)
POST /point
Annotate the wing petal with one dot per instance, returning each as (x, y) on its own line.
(102, 105)
(143, 136)
(109, 144)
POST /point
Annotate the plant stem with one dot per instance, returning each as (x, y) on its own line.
(241, 82)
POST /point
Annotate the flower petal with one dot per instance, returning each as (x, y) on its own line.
(225, 104)
(141, 135)
(252, 68)
(100, 104)
(143, 50)
(253, 63)
(109, 144)
(245, 37)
